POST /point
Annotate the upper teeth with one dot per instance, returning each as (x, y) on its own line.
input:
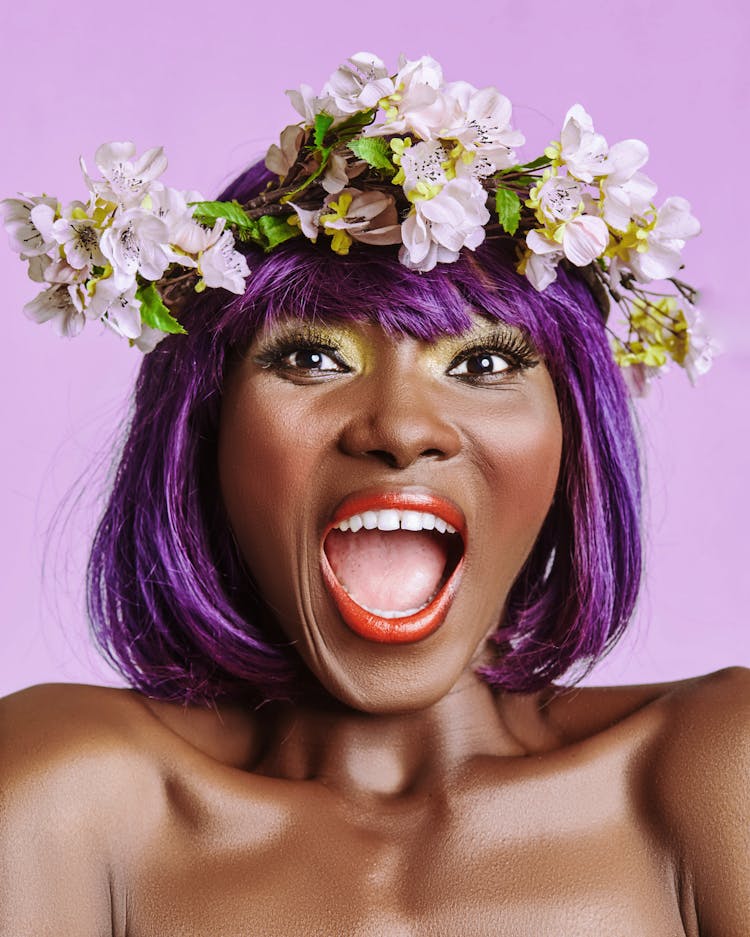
(390, 519)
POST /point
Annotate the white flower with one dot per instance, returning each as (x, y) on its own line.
(280, 158)
(560, 198)
(413, 76)
(78, 235)
(584, 152)
(423, 163)
(336, 176)
(370, 217)
(417, 105)
(359, 83)
(309, 105)
(60, 305)
(43, 218)
(119, 308)
(584, 238)
(581, 240)
(136, 242)
(25, 237)
(439, 227)
(221, 265)
(540, 264)
(478, 168)
(481, 121)
(309, 221)
(420, 251)
(60, 271)
(702, 347)
(126, 181)
(427, 163)
(626, 191)
(659, 256)
(38, 265)
(171, 207)
(148, 339)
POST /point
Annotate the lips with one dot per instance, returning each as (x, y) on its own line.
(423, 542)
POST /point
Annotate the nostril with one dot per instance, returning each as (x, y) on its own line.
(396, 460)
(384, 456)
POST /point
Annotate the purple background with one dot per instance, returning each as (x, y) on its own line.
(206, 82)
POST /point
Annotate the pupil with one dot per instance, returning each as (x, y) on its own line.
(309, 359)
(479, 364)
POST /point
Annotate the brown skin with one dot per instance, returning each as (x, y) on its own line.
(415, 801)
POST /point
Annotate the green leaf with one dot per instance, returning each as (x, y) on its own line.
(154, 313)
(508, 207)
(274, 230)
(207, 213)
(321, 127)
(539, 163)
(375, 151)
(524, 180)
(324, 154)
(355, 124)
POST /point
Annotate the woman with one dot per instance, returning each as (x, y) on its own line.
(365, 517)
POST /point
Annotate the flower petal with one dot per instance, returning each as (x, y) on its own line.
(584, 239)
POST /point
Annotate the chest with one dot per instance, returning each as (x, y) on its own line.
(486, 860)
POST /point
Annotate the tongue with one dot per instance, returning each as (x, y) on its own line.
(395, 570)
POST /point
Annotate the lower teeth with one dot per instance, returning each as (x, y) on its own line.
(391, 613)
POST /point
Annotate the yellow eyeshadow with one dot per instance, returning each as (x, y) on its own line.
(448, 347)
(357, 347)
(353, 347)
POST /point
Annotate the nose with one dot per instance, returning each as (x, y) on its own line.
(397, 423)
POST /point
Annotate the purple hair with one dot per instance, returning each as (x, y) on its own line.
(172, 605)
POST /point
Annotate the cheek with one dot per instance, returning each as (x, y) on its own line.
(266, 460)
(522, 453)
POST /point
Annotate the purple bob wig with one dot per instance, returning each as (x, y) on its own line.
(172, 605)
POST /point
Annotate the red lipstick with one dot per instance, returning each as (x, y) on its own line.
(409, 627)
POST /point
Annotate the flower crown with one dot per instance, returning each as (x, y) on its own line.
(378, 159)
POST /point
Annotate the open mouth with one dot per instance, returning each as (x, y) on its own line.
(392, 563)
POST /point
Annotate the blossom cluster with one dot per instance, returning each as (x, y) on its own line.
(380, 158)
(592, 205)
(412, 160)
(437, 141)
(101, 259)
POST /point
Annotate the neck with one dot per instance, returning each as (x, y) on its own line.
(388, 755)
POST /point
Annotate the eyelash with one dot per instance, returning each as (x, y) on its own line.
(275, 355)
(513, 348)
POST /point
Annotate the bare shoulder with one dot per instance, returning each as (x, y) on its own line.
(687, 728)
(578, 713)
(79, 735)
(692, 741)
(58, 727)
(74, 782)
(74, 752)
(700, 794)
(702, 750)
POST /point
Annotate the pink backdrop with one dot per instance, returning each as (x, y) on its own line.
(206, 81)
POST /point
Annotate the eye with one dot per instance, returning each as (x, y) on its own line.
(311, 359)
(302, 359)
(478, 363)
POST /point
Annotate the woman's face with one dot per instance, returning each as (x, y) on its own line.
(331, 436)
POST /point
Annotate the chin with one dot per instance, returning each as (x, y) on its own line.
(388, 685)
